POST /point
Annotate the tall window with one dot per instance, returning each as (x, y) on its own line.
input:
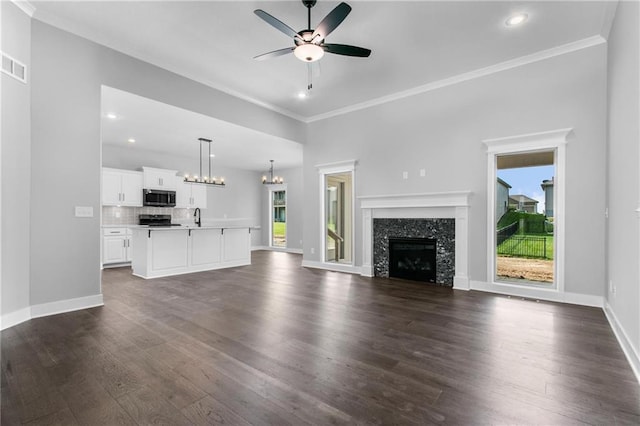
(526, 210)
(278, 220)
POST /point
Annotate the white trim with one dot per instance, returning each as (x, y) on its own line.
(68, 305)
(337, 167)
(625, 343)
(549, 295)
(25, 6)
(12, 72)
(529, 141)
(328, 266)
(482, 72)
(429, 199)
(271, 188)
(15, 318)
(554, 140)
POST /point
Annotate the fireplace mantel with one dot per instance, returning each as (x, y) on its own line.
(454, 204)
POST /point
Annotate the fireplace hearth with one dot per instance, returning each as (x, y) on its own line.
(413, 259)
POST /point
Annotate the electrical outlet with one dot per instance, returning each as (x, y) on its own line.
(405, 175)
(313, 251)
(423, 172)
(612, 288)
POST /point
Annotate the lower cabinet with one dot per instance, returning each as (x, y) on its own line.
(116, 246)
(164, 252)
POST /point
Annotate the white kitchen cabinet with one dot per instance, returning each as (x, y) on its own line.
(181, 250)
(237, 245)
(116, 246)
(159, 178)
(121, 187)
(206, 246)
(190, 195)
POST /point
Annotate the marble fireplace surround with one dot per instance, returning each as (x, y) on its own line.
(437, 205)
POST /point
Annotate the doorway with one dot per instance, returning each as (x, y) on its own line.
(338, 207)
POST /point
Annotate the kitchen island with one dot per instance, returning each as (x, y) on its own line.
(165, 251)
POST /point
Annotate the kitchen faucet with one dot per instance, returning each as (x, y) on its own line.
(196, 214)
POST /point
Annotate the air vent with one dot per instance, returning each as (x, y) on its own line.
(15, 69)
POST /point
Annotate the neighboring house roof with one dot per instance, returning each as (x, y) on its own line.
(517, 198)
(503, 183)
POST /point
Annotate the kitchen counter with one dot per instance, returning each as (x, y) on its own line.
(165, 251)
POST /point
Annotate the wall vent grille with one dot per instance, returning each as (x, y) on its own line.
(14, 68)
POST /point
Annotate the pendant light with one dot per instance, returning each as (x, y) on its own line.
(272, 179)
(208, 180)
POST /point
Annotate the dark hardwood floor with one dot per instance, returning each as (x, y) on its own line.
(274, 343)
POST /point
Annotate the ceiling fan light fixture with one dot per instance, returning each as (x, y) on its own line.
(309, 52)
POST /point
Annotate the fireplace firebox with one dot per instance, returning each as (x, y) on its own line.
(413, 259)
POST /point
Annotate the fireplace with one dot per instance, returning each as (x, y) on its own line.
(443, 216)
(413, 259)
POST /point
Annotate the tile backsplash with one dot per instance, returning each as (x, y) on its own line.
(112, 215)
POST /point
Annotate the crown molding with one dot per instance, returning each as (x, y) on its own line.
(25, 6)
(482, 72)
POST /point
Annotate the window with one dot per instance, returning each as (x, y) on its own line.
(525, 226)
(278, 217)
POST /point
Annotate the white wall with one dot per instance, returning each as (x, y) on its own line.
(15, 168)
(623, 250)
(68, 72)
(441, 131)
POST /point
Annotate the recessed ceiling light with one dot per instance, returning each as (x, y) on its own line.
(112, 116)
(212, 155)
(302, 95)
(517, 19)
(131, 140)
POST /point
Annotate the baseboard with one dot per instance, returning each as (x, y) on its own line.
(284, 250)
(625, 343)
(539, 293)
(350, 269)
(15, 318)
(61, 306)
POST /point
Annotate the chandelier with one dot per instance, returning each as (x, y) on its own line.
(272, 178)
(209, 180)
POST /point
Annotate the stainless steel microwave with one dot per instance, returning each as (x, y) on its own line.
(158, 198)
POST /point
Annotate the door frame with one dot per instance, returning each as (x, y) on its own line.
(348, 166)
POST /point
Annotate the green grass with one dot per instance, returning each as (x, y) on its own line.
(279, 229)
(526, 246)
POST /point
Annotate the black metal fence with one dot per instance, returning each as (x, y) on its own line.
(504, 233)
(523, 246)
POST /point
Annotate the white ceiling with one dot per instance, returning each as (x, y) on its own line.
(167, 129)
(413, 43)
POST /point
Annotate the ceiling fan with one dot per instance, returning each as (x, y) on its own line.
(309, 43)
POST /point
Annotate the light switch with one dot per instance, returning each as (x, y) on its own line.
(83, 211)
(423, 172)
(405, 175)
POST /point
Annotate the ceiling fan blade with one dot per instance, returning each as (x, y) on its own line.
(277, 24)
(331, 21)
(274, 54)
(345, 49)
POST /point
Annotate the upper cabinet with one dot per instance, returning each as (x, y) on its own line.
(121, 187)
(159, 178)
(190, 195)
